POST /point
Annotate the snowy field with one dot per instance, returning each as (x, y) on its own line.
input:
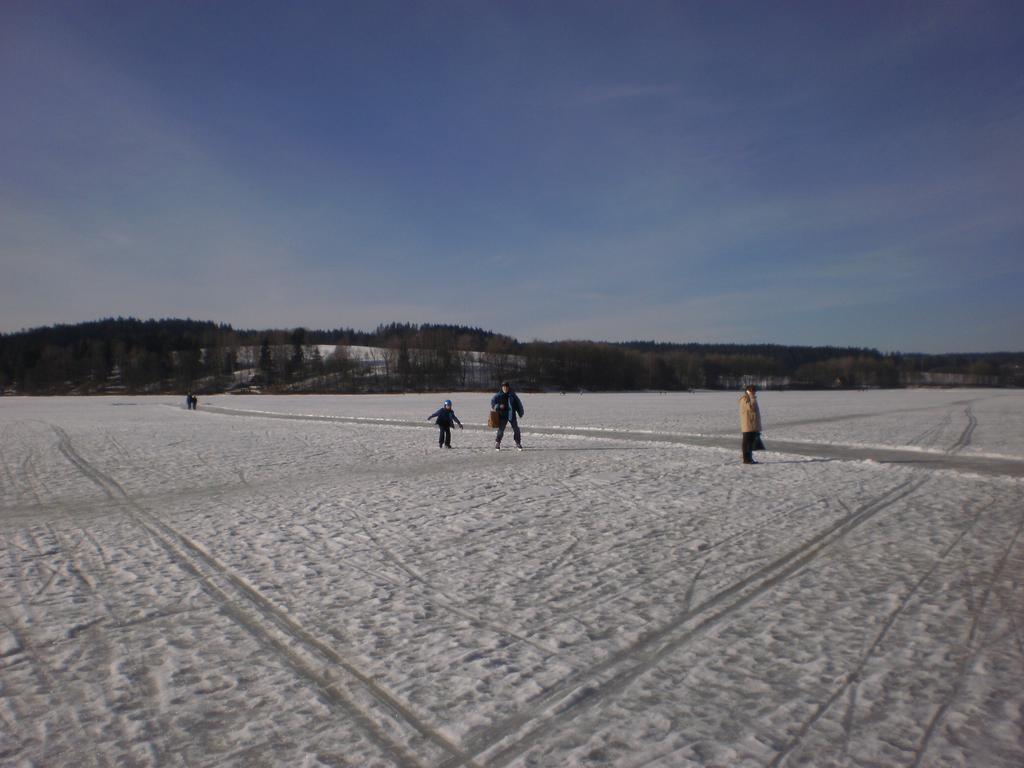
(303, 581)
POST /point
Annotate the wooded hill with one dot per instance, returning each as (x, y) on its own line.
(164, 356)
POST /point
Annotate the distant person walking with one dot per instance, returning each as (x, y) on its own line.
(191, 401)
(445, 416)
(508, 406)
(750, 422)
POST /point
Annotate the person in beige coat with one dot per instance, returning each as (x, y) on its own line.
(750, 422)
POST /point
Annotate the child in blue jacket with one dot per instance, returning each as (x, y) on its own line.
(445, 416)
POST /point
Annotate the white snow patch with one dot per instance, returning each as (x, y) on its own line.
(237, 588)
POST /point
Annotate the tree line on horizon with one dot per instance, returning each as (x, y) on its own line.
(173, 355)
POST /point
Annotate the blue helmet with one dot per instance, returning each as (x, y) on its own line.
(447, 403)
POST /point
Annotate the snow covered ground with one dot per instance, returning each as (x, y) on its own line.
(310, 581)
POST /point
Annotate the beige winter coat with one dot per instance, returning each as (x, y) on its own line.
(750, 414)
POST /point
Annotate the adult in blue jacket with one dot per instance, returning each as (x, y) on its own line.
(508, 405)
(445, 418)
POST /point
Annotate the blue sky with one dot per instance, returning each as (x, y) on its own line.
(846, 173)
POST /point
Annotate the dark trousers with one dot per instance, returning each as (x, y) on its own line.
(444, 436)
(505, 420)
(748, 445)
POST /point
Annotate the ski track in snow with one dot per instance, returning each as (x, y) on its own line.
(298, 580)
(644, 655)
(209, 571)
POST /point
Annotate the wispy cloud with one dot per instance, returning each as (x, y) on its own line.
(598, 94)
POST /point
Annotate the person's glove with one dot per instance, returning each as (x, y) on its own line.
(460, 426)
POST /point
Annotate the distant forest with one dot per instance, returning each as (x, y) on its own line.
(126, 355)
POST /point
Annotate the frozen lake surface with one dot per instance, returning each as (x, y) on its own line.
(310, 581)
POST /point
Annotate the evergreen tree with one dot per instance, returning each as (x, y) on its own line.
(266, 362)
